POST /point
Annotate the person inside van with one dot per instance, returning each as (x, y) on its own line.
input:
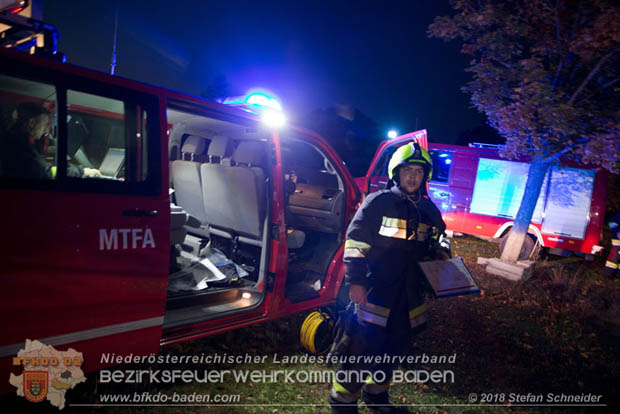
(19, 153)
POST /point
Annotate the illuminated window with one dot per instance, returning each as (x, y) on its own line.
(107, 135)
(442, 161)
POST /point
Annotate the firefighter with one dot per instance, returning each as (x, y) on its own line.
(611, 266)
(19, 153)
(392, 230)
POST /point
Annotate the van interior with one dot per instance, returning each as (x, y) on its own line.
(221, 195)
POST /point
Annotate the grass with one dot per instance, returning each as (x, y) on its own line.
(556, 333)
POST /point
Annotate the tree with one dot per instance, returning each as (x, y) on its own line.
(547, 75)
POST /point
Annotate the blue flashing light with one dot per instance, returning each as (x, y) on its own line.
(262, 100)
(392, 134)
(448, 161)
(260, 103)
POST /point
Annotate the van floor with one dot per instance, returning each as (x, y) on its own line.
(195, 275)
(211, 304)
(308, 266)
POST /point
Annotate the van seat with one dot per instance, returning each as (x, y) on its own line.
(250, 154)
(219, 148)
(179, 222)
(186, 177)
(234, 196)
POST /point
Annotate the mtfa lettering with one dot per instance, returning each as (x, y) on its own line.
(114, 239)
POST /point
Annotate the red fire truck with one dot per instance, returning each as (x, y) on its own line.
(204, 219)
(479, 193)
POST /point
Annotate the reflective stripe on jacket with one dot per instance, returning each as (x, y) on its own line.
(385, 240)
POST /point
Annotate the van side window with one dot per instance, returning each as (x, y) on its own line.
(99, 137)
(27, 129)
(442, 161)
(314, 193)
(307, 165)
(105, 134)
(382, 165)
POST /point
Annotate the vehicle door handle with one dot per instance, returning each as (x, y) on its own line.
(136, 212)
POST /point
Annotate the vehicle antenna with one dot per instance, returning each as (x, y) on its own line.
(113, 64)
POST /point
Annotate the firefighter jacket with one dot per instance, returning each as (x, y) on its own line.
(387, 237)
(19, 158)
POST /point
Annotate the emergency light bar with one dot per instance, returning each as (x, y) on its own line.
(260, 103)
(262, 100)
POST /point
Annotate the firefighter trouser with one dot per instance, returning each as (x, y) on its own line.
(370, 360)
(611, 266)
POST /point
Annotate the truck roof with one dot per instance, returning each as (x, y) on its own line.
(494, 152)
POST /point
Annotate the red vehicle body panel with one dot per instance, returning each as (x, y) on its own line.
(59, 287)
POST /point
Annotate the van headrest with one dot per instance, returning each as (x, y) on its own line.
(194, 145)
(251, 153)
(220, 146)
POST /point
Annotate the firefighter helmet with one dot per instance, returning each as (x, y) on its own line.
(409, 154)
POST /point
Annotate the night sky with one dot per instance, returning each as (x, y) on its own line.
(372, 55)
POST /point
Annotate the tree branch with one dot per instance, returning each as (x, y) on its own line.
(574, 28)
(608, 84)
(504, 64)
(567, 149)
(559, 42)
(576, 68)
(557, 72)
(590, 76)
(557, 24)
(605, 86)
